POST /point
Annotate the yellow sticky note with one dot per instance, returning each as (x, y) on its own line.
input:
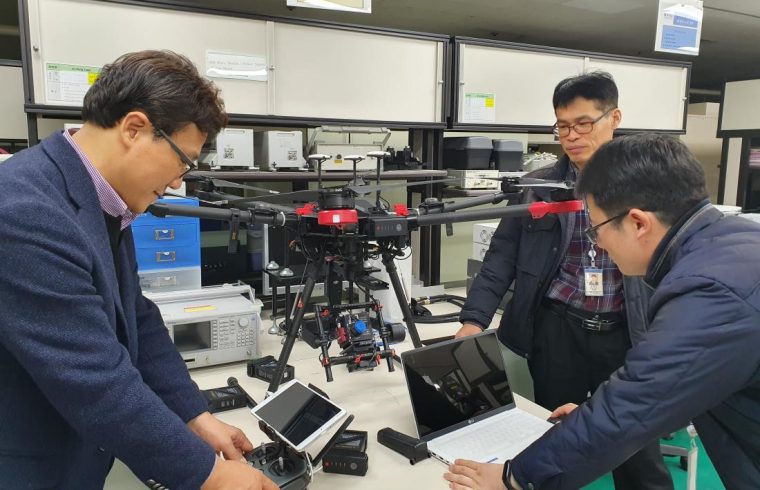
(193, 309)
(489, 101)
(91, 77)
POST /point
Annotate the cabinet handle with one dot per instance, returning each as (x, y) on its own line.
(161, 235)
(166, 256)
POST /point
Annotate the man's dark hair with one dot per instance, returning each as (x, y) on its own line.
(598, 86)
(651, 172)
(166, 86)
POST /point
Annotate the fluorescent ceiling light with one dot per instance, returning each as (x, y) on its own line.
(361, 6)
(604, 6)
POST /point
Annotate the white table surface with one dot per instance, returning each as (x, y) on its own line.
(376, 398)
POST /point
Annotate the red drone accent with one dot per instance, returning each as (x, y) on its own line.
(342, 337)
(306, 210)
(338, 217)
(401, 209)
(540, 209)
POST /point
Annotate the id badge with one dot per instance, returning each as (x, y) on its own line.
(594, 281)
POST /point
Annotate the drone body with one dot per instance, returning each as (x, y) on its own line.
(339, 232)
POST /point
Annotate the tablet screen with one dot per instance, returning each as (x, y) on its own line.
(296, 413)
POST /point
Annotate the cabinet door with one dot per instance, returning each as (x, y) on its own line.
(93, 33)
(738, 111)
(518, 83)
(521, 82)
(342, 74)
(651, 96)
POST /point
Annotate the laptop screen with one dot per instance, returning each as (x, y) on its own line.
(456, 382)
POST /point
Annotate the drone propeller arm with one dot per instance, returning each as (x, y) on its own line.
(211, 197)
(163, 210)
(535, 210)
(494, 198)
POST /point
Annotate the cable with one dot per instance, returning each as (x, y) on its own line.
(308, 462)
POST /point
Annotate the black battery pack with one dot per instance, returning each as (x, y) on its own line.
(224, 398)
(348, 455)
(264, 368)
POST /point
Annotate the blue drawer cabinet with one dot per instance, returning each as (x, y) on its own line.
(168, 250)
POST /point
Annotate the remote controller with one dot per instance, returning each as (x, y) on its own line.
(287, 470)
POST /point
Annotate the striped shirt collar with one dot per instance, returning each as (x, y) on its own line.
(111, 203)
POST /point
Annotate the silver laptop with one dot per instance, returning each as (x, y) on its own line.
(462, 403)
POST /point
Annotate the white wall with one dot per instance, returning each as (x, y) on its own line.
(701, 138)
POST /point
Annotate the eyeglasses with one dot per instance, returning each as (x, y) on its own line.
(583, 127)
(186, 161)
(592, 233)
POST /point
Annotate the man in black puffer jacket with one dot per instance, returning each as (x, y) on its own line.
(699, 359)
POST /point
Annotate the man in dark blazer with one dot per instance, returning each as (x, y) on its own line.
(88, 372)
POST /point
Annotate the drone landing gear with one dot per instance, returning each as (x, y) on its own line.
(313, 273)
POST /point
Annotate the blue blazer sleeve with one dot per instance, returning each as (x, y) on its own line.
(56, 323)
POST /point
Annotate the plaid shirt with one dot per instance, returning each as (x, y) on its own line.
(568, 285)
(111, 203)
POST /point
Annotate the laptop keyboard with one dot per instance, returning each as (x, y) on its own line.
(509, 433)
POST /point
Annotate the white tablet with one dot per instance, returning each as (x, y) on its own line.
(298, 414)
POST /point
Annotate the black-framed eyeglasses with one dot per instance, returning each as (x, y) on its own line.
(186, 161)
(592, 233)
(583, 127)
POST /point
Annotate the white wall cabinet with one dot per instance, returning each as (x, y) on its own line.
(520, 80)
(313, 72)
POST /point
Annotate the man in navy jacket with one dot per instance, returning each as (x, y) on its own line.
(88, 372)
(699, 359)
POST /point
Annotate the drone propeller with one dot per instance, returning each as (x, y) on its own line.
(361, 190)
(227, 184)
(545, 183)
(533, 182)
(305, 195)
(192, 198)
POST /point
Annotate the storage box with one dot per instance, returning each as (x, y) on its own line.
(467, 152)
(479, 251)
(234, 148)
(507, 155)
(483, 232)
(277, 150)
(475, 179)
(339, 151)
